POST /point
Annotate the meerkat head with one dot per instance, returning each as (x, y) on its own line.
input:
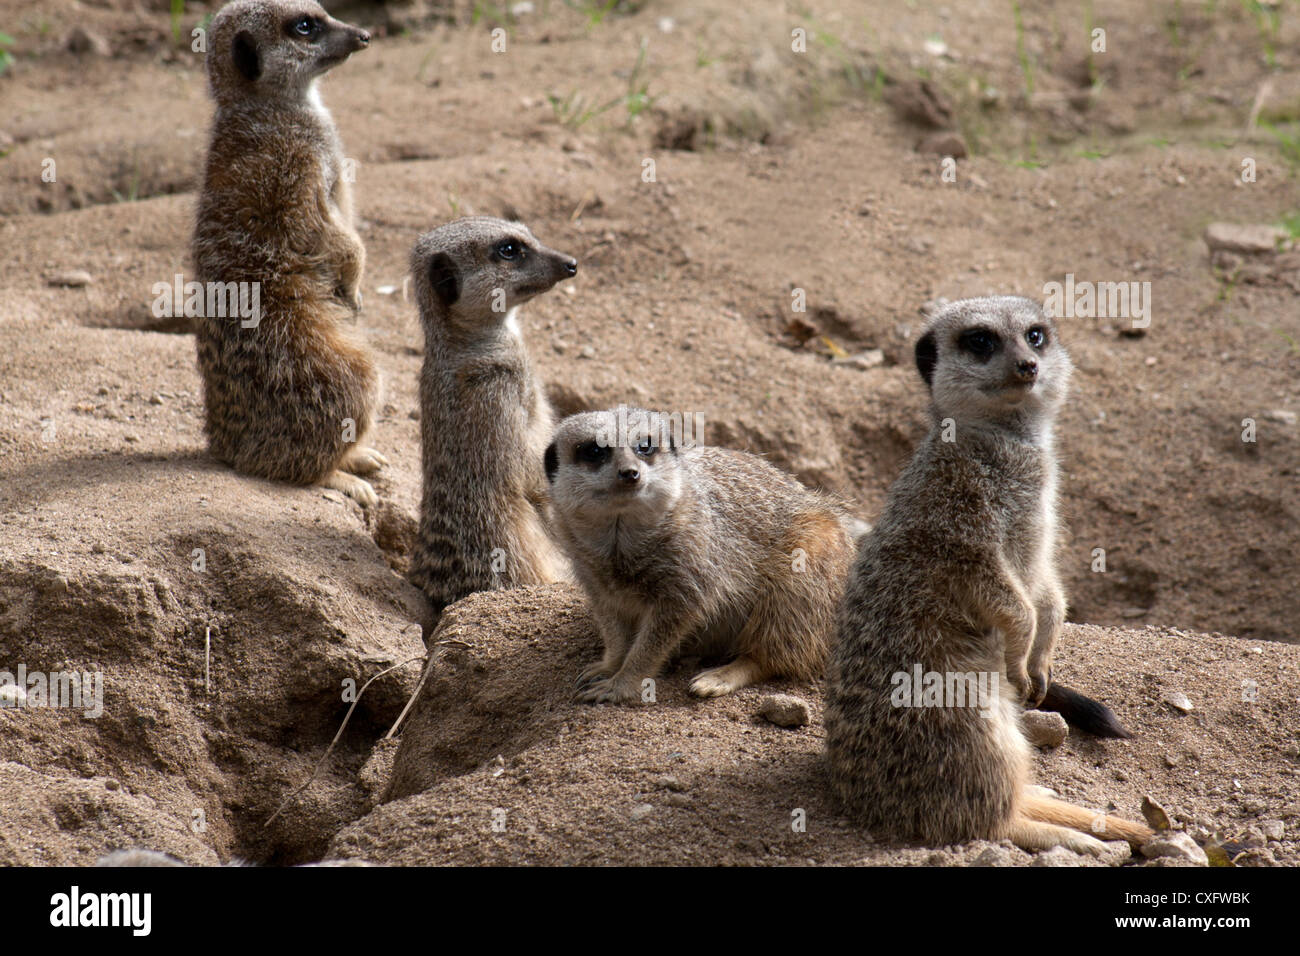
(275, 49)
(995, 359)
(471, 274)
(619, 463)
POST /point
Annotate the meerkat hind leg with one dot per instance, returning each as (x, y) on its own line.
(356, 488)
(717, 681)
(1032, 835)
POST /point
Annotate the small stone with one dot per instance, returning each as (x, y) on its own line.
(111, 784)
(1175, 845)
(1281, 416)
(993, 856)
(784, 710)
(871, 358)
(1117, 853)
(677, 799)
(1245, 239)
(71, 278)
(1057, 856)
(1156, 816)
(1178, 701)
(1254, 838)
(587, 352)
(1044, 728)
(1171, 761)
(155, 399)
(1258, 856)
(80, 40)
(669, 782)
(1273, 829)
(641, 811)
(944, 144)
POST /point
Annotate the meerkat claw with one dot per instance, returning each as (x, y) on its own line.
(364, 461)
(355, 488)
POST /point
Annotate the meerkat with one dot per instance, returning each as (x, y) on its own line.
(484, 418)
(959, 577)
(696, 548)
(289, 393)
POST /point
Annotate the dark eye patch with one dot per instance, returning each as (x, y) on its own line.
(981, 343)
(593, 453)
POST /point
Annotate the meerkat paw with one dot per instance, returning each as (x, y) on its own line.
(356, 488)
(1019, 679)
(1038, 684)
(363, 461)
(611, 690)
(601, 670)
(718, 681)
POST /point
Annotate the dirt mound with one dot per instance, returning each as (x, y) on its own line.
(499, 765)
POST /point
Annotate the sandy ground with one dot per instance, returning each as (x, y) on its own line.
(775, 171)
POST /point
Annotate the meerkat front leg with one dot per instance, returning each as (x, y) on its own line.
(617, 630)
(1051, 615)
(356, 488)
(1003, 603)
(660, 635)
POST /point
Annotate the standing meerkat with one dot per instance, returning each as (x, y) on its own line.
(290, 394)
(484, 419)
(959, 579)
(700, 547)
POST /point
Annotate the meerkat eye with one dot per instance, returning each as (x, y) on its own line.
(508, 250)
(646, 448)
(1036, 337)
(593, 453)
(303, 27)
(980, 343)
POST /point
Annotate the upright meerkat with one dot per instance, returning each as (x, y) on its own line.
(699, 547)
(484, 419)
(289, 393)
(959, 579)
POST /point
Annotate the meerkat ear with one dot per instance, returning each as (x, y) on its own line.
(927, 355)
(552, 462)
(443, 278)
(243, 52)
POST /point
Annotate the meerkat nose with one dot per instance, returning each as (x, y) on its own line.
(629, 475)
(1027, 370)
(363, 38)
(571, 267)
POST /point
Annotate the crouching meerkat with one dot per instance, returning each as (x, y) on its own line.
(958, 579)
(696, 548)
(484, 418)
(289, 392)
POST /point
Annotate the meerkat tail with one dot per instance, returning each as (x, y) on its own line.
(1083, 713)
(1049, 810)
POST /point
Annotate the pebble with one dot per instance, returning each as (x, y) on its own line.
(871, 358)
(641, 811)
(71, 278)
(784, 710)
(1057, 856)
(1281, 416)
(1247, 239)
(993, 856)
(1178, 701)
(1175, 845)
(1273, 829)
(1044, 728)
(1156, 816)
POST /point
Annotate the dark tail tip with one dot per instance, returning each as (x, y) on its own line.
(1083, 713)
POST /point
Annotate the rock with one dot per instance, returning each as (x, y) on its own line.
(994, 856)
(1246, 239)
(1175, 845)
(1057, 856)
(669, 782)
(1281, 416)
(784, 710)
(1273, 829)
(946, 143)
(1178, 701)
(80, 40)
(71, 278)
(1254, 838)
(1044, 728)
(1117, 853)
(641, 811)
(1256, 857)
(871, 358)
(1155, 815)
